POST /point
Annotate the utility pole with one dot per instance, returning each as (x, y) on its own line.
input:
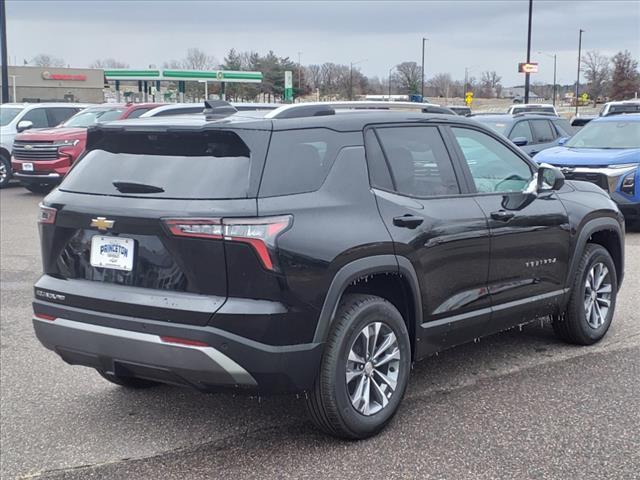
(422, 83)
(527, 75)
(390, 70)
(351, 76)
(5, 61)
(466, 81)
(578, 75)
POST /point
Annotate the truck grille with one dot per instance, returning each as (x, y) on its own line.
(597, 178)
(35, 151)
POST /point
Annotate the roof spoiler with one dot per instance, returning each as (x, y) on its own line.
(214, 109)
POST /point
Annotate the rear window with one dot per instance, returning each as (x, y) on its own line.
(299, 161)
(194, 165)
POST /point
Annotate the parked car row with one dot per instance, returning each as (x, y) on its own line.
(42, 141)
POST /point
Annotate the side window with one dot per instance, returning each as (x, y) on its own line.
(522, 130)
(419, 162)
(137, 112)
(563, 127)
(59, 115)
(38, 116)
(543, 131)
(378, 169)
(493, 166)
(299, 161)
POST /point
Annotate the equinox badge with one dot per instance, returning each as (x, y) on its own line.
(101, 223)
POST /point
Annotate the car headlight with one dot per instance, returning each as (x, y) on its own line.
(624, 165)
(629, 184)
(68, 143)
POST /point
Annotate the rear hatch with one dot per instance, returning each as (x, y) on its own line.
(115, 211)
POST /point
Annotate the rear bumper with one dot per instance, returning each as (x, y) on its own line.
(133, 347)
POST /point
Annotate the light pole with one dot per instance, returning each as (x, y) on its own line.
(527, 75)
(424, 40)
(3, 54)
(578, 75)
(555, 63)
(351, 76)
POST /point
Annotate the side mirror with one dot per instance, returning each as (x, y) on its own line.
(563, 140)
(520, 141)
(24, 125)
(549, 178)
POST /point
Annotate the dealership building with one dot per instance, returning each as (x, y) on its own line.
(53, 84)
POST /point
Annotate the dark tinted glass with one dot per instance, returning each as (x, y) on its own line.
(419, 162)
(59, 115)
(543, 131)
(212, 165)
(299, 161)
(521, 130)
(38, 116)
(137, 112)
(378, 171)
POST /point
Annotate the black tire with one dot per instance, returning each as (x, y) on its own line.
(573, 326)
(38, 187)
(5, 170)
(329, 404)
(128, 382)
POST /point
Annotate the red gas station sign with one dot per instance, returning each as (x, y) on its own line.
(64, 76)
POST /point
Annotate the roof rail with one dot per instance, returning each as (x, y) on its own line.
(314, 109)
(218, 109)
(533, 112)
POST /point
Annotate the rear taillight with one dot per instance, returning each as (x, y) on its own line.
(260, 233)
(47, 214)
(44, 316)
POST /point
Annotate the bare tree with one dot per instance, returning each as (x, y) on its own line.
(490, 84)
(109, 63)
(196, 59)
(626, 78)
(597, 72)
(314, 76)
(47, 60)
(409, 76)
(441, 84)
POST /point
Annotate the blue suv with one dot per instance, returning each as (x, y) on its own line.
(605, 152)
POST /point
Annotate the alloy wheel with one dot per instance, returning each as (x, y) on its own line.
(372, 368)
(597, 295)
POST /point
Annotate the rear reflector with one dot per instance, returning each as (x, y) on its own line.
(44, 316)
(184, 341)
(47, 214)
(261, 233)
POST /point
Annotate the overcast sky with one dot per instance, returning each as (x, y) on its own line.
(481, 35)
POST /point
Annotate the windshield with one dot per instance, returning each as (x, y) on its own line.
(496, 126)
(7, 114)
(91, 116)
(619, 134)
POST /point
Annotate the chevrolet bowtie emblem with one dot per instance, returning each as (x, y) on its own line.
(102, 223)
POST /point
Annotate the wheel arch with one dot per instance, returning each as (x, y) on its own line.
(367, 275)
(602, 231)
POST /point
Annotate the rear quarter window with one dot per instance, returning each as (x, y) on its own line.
(299, 161)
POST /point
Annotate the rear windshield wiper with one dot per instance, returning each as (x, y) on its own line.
(132, 187)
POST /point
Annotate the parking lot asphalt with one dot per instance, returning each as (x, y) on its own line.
(519, 404)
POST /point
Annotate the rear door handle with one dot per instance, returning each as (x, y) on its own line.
(408, 221)
(502, 215)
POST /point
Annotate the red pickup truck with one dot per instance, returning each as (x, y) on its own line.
(41, 158)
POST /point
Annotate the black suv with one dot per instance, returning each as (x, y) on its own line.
(315, 251)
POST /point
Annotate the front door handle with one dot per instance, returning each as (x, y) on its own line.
(408, 221)
(502, 215)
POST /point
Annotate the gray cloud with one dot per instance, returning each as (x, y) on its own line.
(484, 35)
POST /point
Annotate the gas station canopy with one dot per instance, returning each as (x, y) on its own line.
(230, 76)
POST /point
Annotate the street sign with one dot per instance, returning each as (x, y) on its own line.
(530, 67)
(468, 98)
(288, 86)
